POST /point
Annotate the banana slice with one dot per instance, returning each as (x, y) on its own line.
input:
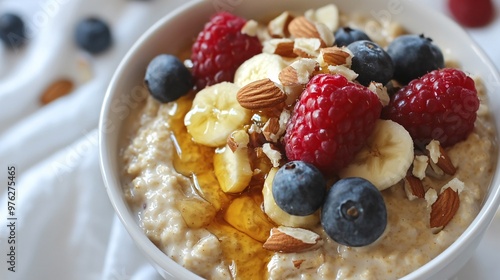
(260, 66)
(215, 113)
(232, 165)
(280, 217)
(386, 157)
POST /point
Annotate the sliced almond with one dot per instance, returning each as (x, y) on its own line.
(325, 34)
(251, 28)
(438, 156)
(455, 184)
(289, 76)
(430, 197)
(444, 209)
(260, 94)
(334, 56)
(307, 47)
(283, 47)
(271, 129)
(414, 187)
(285, 116)
(278, 27)
(56, 90)
(295, 76)
(299, 72)
(420, 163)
(381, 91)
(444, 162)
(291, 240)
(344, 71)
(272, 153)
(256, 137)
(301, 27)
(328, 15)
(238, 139)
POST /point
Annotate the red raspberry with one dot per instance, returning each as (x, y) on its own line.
(440, 105)
(220, 49)
(472, 13)
(331, 122)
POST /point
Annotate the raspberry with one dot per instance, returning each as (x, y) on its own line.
(472, 13)
(331, 122)
(440, 105)
(220, 49)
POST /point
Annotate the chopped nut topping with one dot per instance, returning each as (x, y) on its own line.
(273, 154)
(440, 158)
(413, 187)
(420, 164)
(307, 47)
(278, 27)
(250, 28)
(283, 47)
(381, 91)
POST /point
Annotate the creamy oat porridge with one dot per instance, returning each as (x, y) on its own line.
(204, 195)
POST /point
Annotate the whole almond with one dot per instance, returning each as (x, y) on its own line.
(56, 90)
(301, 27)
(444, 208)
(291, 240)
(260, 94)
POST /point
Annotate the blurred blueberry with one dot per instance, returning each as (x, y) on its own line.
(93, 35)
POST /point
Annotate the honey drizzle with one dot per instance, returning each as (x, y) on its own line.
(245, 257)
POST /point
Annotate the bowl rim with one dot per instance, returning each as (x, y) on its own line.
(112, 185)
(160, 260)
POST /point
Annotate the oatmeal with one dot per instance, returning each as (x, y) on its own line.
(202, 184)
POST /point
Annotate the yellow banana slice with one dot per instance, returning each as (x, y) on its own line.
(215, 113)
(260, 66)
(386, 157)
(232, 169)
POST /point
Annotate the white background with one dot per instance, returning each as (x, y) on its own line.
(66, 227)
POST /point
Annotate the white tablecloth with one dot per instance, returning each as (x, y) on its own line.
(66, 227)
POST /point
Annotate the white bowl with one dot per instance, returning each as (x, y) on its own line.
(177, 30)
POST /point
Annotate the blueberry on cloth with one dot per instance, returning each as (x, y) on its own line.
(414, 56)
(12, 30)
(347, 35)
(93, 35)
(299, 188)
(371, 62)
(354, 212)
(167, 78)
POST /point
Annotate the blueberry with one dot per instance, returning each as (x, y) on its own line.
(12, 30)
(346, 35)
(93, 35)
(167, 78)
(354, 212)
(371, 63)
(299, 188)
(414, 56)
